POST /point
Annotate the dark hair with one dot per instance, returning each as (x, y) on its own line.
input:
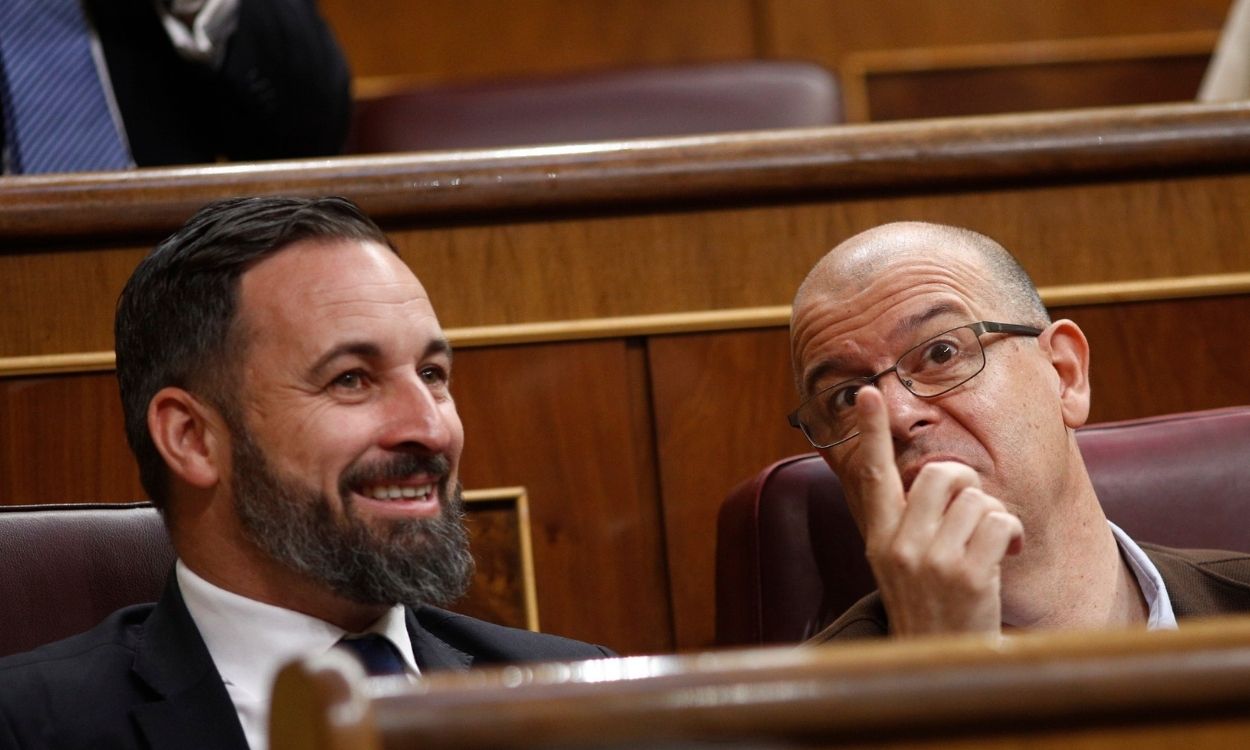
(175, 317)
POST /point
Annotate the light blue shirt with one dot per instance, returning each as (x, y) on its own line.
(1152, 588)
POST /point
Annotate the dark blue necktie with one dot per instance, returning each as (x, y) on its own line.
(376, 652)
(56, 114)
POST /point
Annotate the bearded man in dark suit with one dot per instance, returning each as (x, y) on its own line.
(286, 386)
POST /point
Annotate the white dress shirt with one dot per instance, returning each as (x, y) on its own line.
(1161, 617)
(250, 641)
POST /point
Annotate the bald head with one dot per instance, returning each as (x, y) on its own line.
(889, 251)
(856, 261)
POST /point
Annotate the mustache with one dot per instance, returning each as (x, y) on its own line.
(397, 467)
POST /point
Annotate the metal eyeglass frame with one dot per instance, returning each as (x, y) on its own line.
(980, 328)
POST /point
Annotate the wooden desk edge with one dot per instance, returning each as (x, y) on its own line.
(448, 187)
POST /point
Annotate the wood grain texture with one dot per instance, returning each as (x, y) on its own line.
(675, 173)
(720, 405)
(62, 439)
(498, 590)
(713, 259)
(1081, 197)
(955, 92)
(463, 40)
(1041, 691)
(826, 30)
(569, 423)
(1166, 356)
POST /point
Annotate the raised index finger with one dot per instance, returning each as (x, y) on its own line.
(882, 486)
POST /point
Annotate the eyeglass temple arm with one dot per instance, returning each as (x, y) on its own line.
(1010, 328)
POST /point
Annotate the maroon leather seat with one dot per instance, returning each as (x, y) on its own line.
(66, 567)
(789, 558)
(708, 98)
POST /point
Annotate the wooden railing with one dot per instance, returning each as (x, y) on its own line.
(1187, 688)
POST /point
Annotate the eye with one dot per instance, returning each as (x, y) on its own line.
(841, 398)
(434, 375)
(352, 380)
(939, 353)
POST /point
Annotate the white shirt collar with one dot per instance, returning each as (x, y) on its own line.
(1161, 617)
(250, 641)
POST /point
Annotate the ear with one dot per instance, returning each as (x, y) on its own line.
(189, 435)
(1065, 344)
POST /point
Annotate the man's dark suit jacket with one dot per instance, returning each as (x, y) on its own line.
(143, 678)
(1200, 583)
(282, 90)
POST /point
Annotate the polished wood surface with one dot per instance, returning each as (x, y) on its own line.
(1135, 689)
(825, 31)
(62, 439)
(1024, 76)
(503, 588)
(442, 41)
(469, 40)
(570, 423)
(461, 187)
(678, 226)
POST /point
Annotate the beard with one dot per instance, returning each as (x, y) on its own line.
(399, 561)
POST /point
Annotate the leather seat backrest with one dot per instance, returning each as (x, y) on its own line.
(66, 567)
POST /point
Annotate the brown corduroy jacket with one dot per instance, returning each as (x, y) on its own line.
(1200, 583)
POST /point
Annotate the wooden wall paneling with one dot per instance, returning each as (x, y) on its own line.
(461, 40)
(568, 422)
(720, 405)
(1158, 357)
(1024, 76)
(61, 300)
(62, 440)
(824, 31)
(712, 259)
(677, 225)
(956, 92)
(756, 255)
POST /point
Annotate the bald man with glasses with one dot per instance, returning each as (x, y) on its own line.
(936, 386)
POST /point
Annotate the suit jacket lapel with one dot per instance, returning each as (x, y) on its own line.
(192, 709)
(433, 653)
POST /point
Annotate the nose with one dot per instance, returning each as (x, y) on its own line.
(908, 412)
(416, 417)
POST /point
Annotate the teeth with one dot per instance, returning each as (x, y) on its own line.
(395, 492)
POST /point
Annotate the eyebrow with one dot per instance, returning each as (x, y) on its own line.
(910, 323)
(370, 350)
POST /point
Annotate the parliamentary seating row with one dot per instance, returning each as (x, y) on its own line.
(619, 309)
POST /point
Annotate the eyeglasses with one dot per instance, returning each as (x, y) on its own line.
(929, 369)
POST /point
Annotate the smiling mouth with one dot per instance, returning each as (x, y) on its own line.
(398, 492)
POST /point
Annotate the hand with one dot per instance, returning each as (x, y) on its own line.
(936, 550)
